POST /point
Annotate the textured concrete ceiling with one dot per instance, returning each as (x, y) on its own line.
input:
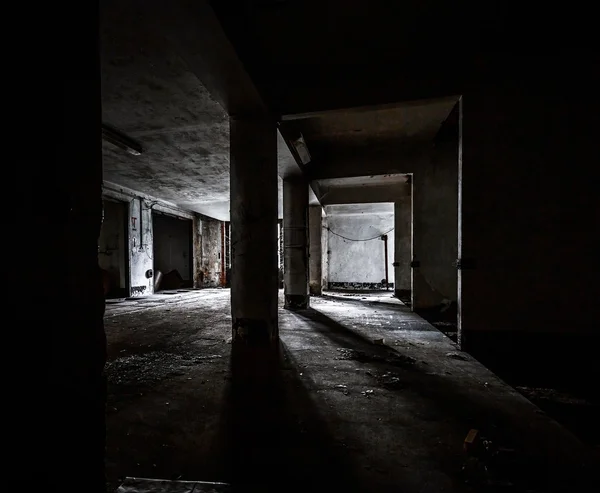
(150, 94)
(370, 140)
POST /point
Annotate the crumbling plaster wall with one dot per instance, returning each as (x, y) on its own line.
(211, 253)
(140, 234)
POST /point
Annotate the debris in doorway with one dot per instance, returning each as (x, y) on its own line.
(456, 356)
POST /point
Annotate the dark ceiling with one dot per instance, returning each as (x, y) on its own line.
(314, 54)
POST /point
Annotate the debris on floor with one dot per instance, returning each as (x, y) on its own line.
(145, 485)
(391, 381)
(364, 357)
(490, 466)
(457, 356)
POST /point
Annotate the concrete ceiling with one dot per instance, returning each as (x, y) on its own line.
(368, 141)
(149, 93)
(324, 54)
(152, 91)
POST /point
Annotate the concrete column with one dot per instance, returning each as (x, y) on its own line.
(253, 231)
(403, 247)
(211, 253)
(435, 222)
(295, 243)
(315, 264)
(325, 253)
(69, 221)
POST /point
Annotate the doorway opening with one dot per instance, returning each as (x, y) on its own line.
(173, 262)
(113, 251)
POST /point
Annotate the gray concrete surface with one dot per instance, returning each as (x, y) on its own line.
(339, 411)
(360, 261)
(435, 221)
(403, 245)
(362, 189)
(315, 260)
(254, 270)
(211, 253)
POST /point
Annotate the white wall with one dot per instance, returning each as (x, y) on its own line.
(359, 261)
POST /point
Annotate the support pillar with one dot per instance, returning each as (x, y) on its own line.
(315, 264)
(403, 247)
(435, 222)
(295, 242)
(73, 434)
(253, 231)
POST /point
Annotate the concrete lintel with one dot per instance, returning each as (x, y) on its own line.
(119, 192)
(366, 108)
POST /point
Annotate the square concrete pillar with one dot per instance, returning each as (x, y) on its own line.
(403, 247)
(315, 222)
(71, 312)
(253, 231)
(435, 222)
(295, 242)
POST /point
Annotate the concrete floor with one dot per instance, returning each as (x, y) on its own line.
(361, 397)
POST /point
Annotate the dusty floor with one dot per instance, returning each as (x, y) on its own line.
(361, 397)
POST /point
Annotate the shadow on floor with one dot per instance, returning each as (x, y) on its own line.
(541, 464)
(272, 437)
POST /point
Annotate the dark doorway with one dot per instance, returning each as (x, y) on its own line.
(112, 250)
(173, 261)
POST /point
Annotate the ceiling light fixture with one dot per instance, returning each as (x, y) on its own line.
(301, 149)
(119, 139)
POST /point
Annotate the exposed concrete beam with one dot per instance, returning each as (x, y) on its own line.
(365, 109)
(119, 192)
(394, 160)
(363, 194)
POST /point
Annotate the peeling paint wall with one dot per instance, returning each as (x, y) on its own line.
(211, 253)
(325, 252)
(197, 246)
(140, 248)
(140, 234)
(361, 262)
